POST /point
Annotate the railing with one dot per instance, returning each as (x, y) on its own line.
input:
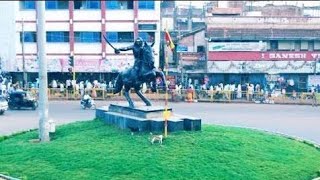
(187, 95)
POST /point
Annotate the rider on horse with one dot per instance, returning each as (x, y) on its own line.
(143, 68)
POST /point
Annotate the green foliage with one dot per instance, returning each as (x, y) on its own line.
(93, 150)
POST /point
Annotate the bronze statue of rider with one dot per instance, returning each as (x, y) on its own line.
(140, 69)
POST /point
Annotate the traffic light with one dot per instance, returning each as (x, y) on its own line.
(71, 61)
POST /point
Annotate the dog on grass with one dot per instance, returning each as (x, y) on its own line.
(155, 138)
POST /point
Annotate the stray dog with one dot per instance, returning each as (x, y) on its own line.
(155, 138)
(133, 130)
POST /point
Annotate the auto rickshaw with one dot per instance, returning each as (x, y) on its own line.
(22, 99)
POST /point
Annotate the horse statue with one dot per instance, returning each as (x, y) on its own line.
(130, 79)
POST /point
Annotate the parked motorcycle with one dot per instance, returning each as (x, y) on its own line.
(88, 103)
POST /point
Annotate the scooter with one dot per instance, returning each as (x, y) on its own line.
(88, 103)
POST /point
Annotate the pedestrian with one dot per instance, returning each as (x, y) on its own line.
(61, 88)
(81, 87)
(239, 93)
(94, 92)
(314, 96)
(144, 88)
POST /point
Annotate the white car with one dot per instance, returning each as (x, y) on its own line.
(3, 105)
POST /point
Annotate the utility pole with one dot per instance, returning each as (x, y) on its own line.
(190, 17)
(43, 76)
(315, 66)
(24, 83)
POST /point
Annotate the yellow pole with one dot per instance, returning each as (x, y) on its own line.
(166, 112)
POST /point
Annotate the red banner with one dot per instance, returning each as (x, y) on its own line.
(263, 56)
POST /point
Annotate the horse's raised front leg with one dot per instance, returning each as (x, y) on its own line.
(126, 94)
(144, 99)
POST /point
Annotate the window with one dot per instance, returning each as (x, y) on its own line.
(112, 36)
(86, 4)
(27, 5)
(28, 36)
(147, 36)
(146, 4)
(57, 4)
(119, 4)
(273, 45)
(120, 36)
(87, 37)
(297, 45)
(57, 36)
(200, 49)
(147, 27)
(310, 45)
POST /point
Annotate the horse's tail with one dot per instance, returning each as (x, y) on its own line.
(119, 84)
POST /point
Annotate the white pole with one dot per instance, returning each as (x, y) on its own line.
(43, 93)
(24, 84)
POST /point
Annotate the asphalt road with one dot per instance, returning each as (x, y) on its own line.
(294, 120)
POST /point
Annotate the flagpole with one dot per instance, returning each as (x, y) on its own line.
(166, 113)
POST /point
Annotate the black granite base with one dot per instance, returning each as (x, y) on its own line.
(146, 118)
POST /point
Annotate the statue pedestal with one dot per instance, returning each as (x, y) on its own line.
(146, 118)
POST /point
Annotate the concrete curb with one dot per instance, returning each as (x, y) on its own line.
(5, 177)
(296, 138)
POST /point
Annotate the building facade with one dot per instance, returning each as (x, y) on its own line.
(75, 29)
(262, 44)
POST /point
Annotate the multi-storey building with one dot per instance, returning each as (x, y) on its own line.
(186, 25)
(75, 29)
(248, 44)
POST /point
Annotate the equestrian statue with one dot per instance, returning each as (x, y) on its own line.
(143, 71)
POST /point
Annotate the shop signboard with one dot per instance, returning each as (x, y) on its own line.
(181, 48)
(263, 56)
(237, 46)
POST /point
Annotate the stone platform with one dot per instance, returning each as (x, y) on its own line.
(146, 118)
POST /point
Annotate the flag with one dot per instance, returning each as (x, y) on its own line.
(169, 40)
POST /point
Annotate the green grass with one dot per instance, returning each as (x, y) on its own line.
(93, 150)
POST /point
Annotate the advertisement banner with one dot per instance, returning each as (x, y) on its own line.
(237, 46)
(256, 56)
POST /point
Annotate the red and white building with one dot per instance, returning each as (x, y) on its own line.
(75, 28)
(253, 45)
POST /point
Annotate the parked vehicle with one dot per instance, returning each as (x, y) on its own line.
(22, 99)
(88, 103)
(3, 105)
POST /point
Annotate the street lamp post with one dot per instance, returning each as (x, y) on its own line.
(44, 125)
(24, 83)
(315, 65)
